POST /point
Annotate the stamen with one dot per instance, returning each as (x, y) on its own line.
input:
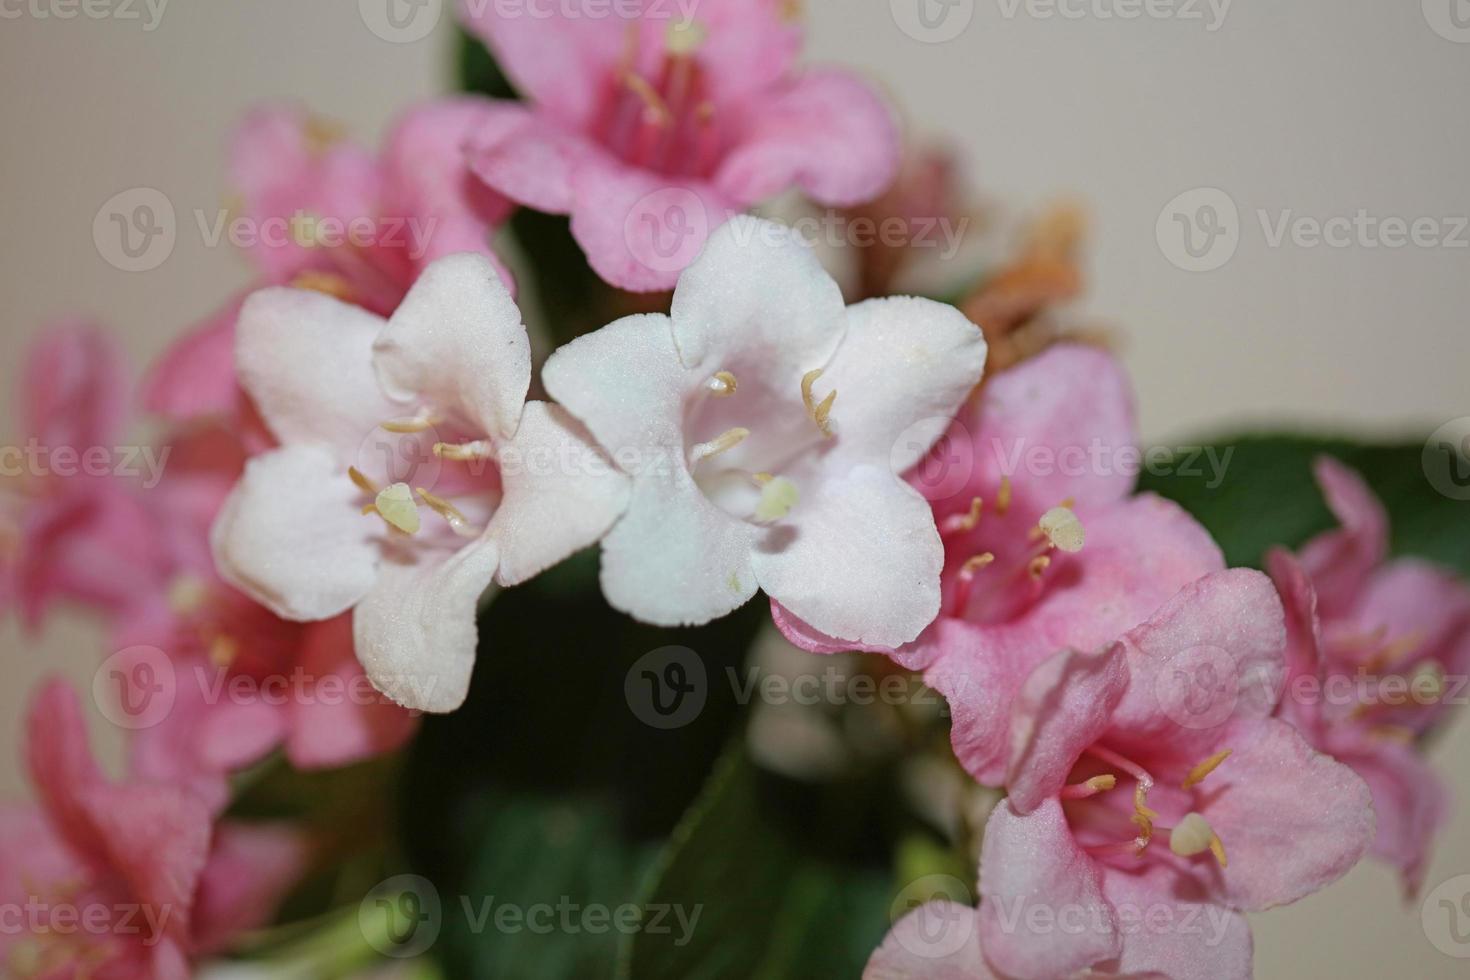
(967, 581)
(1143, 817)
(820, 412)
(321, 134)
(963, 523)
(1091, 787)
(462, 452)
(223, 650)
(362, 482)
(326, 283)
(1428, 682)
(684, 38)
(655, 111)
(456, 520)
(724, 442)
(187, 594)
(1063, 528)
(778, 496)
(1038, 567)
(1199, 772)
(722, 385)
(1003, 496)
(976, 563)
(406, 426)
(1194, 836)
(396, 506)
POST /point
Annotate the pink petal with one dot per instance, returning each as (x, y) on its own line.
(250, 869)
(1303, 636)
(827, 132)
(529, 158)
(345, 722)
(1338, 562)
(1171, 928)
(1213, 654)
(936, 941)
(1042, 911)
(1063, 707)
(76, 387)
(239, 733)
(640, 230)
(196, 375)
(1292, 820)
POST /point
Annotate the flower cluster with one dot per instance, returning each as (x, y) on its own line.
(360, 452)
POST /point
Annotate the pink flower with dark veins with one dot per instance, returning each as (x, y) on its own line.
(651, 131)
(321, 213)
(1375, 647)
(142, 859)
(1148, 809)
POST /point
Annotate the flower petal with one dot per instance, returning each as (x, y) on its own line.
(903, 360)
(529, 158)
(1339, 561)
(457, 342)
(858, 558)
(306, 361)
(416, 633)
(1213, 654)
(196, 374)
(1171, 928)
(1064, 706)
(76, 387)
(827, 132)
(249, 870)
(1292, 820)
(1042, 909)
(939, 940)
(561, 493)
(292, 536)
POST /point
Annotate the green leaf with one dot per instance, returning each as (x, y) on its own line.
(767, 905)
(1267, 496)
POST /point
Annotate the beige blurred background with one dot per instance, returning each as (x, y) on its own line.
(1316, 107)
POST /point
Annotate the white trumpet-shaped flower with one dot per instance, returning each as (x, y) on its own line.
(411, 471)
(767, 429)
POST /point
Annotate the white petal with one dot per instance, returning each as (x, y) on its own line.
(626, 384)
(858, 558)
(415, 632)
(560, 493)
(675, 559)
(904, 360)
(306, 360)
(457, 341)
(292, 535)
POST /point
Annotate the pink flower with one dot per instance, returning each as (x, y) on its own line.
(1373, 642)
(1152, 800)
(326, 214)
(137, 864)
(661, 127)
(1045, 549)
(69, 528)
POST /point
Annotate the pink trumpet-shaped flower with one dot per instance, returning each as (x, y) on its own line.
(124, 881)
(322, 213)
(1375, 646)
(651, 130)
(1152, 800)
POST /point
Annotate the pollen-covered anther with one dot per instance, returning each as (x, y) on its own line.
(187, 594)
(655, 110)
(409, 425)
(819, 412)
(1193, 836)
(966, 522)
(684, 38)
(976, 563)
(465, 451)
(395, 504)
(1199, 772)
(722, 384)
(326, 283)
(1063, 528)
(778, 496)
(724, 442)
(1003, 496)
(1089, 787)
(1427, 683)
(223, 650)
(452, 515)
(1038, 566)
(362, 482)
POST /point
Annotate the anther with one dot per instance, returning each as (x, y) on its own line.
(724, 442)
(1199, 772)
(722, 385)
(1063, 528)
(1003, 496)
(1090, 787)
(457, 522)
(820, 412)
(417, 423)
(479, 449)
(963, 523)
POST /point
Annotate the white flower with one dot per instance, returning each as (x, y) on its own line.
(761, 424)
(323, 524)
